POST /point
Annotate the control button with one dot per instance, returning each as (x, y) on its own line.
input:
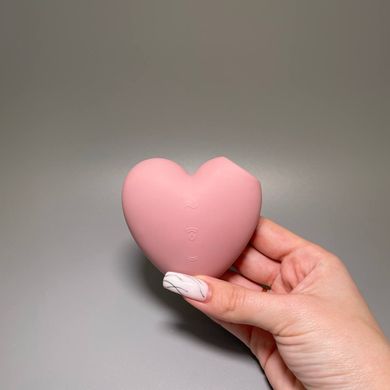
(192, 232)
(191, 203)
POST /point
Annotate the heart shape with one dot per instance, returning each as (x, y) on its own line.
(194, 224)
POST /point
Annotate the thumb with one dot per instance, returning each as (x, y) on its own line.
(232, 303)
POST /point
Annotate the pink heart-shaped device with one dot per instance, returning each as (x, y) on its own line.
(195, 224)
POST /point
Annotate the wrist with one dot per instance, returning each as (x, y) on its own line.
(377, 370)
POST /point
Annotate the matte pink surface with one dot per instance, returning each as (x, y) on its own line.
(195, 224)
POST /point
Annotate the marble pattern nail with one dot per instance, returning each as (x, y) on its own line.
(186, 285)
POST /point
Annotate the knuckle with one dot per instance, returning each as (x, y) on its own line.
(310, 250)
(309, 253)
(230, 302)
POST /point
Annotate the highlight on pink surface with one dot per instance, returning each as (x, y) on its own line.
(191, 223)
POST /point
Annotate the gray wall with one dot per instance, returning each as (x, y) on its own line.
(297, 92)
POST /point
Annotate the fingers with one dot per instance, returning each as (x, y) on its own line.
(237, 304)
(260, 342)
(242, 332)
(239, 280)
(232, 303)
(274, 240)
(257, 267)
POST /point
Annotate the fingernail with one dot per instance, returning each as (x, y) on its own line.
(186, 285)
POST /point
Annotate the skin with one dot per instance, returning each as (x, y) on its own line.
(312, 329)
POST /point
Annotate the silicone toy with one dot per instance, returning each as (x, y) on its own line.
(191, 223)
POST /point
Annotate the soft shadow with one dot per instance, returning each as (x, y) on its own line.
(186, 319)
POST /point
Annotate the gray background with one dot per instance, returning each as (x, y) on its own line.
(297, 92)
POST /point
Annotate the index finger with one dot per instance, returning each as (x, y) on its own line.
(274, 240)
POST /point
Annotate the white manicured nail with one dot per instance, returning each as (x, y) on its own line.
(185, 285)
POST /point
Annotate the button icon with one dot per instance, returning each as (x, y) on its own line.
(191, 203)
(192, 232)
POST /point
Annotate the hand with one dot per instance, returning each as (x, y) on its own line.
(312, 329)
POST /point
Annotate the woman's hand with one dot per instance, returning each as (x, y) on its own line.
(311, 329)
